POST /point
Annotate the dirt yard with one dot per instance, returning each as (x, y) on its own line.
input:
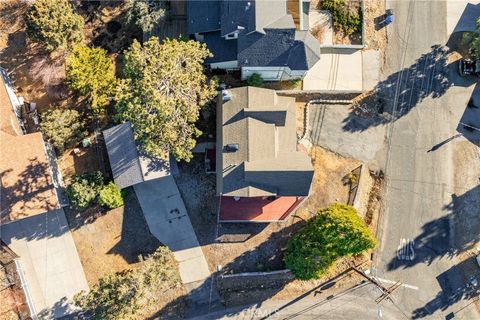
(112, 241)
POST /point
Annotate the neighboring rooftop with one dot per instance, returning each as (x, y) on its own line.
(267, 34)
(257, 146)
(129, 166)
(27, 186)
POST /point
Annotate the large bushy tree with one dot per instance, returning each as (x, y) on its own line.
(146, 13)
(53, 23)
(334, 232)
(91, 73)
(63, 128)
(164, 89)
(129, 294)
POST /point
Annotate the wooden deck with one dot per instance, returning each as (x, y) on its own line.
(176, 25)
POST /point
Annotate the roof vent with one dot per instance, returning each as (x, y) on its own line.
(231, 147)
(226, 95)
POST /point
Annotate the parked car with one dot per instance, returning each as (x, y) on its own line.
(468, 67)
(478, 260)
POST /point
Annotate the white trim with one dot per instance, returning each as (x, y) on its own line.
(31, 306)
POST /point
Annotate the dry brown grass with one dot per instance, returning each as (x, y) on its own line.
(318, 31)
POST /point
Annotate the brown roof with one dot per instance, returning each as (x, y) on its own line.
(262, 127)
(26, 182)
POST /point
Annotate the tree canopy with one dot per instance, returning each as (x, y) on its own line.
(145, 13)
(164, 89)
(53, 23)
(63, 128)
(334, 232)
(90, 72)
(476, 42)
(130, 294)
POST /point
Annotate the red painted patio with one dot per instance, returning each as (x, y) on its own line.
(257, 209)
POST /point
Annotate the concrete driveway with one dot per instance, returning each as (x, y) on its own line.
(168, 221)
(333, 127)
(48, 260)
(344, 69)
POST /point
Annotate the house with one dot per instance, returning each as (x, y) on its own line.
(160, 199)
(261, 176)
(26, 177)
(32, 223)
(254, 36)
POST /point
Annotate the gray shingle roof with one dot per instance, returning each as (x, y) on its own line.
(223, 50)
(129, 166)
(123, 156)
(267, 161)
(203, 16)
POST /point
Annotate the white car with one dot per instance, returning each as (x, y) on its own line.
(478, 260)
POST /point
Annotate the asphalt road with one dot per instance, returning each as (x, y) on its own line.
(423, 91)
(355, 303)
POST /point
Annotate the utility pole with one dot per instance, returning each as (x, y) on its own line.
(386, 292)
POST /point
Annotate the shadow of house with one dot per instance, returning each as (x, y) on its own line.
(131, 244)
(453, 291)
(428, 77)
(437, 240)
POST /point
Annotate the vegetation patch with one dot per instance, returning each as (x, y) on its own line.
(53, 24)
(255, 80)
(335, 232)
(90, 72)
(346, 15)
(63, 128)
(164, 90)
(131, 294)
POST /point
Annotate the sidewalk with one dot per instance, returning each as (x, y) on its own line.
(168, 221)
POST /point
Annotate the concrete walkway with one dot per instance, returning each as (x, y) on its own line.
(49, 262)
(168, 221)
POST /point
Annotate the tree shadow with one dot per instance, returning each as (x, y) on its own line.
(437, 237)
(453, 290)
(428, 77)
(32, 192)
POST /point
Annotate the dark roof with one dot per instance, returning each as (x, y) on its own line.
(277, 47)
(223, 50)
(203, 16)
(123, 156)
(129, 166)
(267, 35)
(263, 125)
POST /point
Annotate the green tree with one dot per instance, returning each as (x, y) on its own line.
(110, 196)
(146, 13)
(334, 232)
(476, 42)
(165, 88)
(125, 295)
(255, 80)
(90, 72)
(63, 128)
(84, 189)
(53, 23)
